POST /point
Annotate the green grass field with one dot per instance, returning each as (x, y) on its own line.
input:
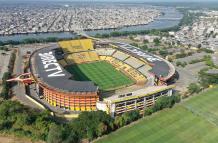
(101, 73)
(193, 121)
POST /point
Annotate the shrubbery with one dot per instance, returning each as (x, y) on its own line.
(4, 48)
(33, 40)
(196, 61)
(207, 79)
(5, 85)
(161, 103)
(183, 55)
(208, 61)
(126, 118)
(207, 50)
(18, 119)
(182, 64)
(12, 61)
(194, 88)
(7, 75)
(163, 53)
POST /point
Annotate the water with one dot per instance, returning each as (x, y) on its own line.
(171, 18)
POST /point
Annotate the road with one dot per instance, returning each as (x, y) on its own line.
(19, 88)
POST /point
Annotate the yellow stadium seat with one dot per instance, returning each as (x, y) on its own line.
(63, 63)
(79, 51)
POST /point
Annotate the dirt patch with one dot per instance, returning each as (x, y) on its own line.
(12, 139)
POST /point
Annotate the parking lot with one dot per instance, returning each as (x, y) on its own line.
(189, 73)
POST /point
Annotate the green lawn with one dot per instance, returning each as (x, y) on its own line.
(193, 121)
(101, 73)
(205, 105)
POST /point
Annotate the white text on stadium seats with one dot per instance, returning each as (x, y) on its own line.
(140, 53)
(48, 60)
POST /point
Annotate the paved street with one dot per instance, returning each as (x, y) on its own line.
(19, 89)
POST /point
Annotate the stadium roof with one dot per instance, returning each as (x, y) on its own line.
(46, 69)
(160, 67)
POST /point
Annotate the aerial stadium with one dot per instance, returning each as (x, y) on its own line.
(90, 74)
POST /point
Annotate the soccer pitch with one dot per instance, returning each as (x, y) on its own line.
(101, 73)
(193, 121)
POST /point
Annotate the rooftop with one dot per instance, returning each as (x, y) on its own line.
(138, 93)
(46, 69)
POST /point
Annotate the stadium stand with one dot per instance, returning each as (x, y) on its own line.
(124, 63)
(105, 51)
(79, 51)
(93, 56)
(73, 46)
(102, 58)
(120, 55)
(132, 61)
(139, 99)
(145, 70)
(63, 62)
(128, 70)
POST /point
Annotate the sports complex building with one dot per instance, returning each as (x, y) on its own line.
(88, 75)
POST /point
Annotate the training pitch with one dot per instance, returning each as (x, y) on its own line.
(193, 121)
(101, 73)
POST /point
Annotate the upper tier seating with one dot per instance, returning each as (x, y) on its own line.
(105, 51)
(79, 51)
(132, 61)
(120, 55)
(73, 46)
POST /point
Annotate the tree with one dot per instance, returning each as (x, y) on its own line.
(1, 43)
(144, 47)
(131, 37)
(119, 122)
(183, 64)
(55, 134)
(148, 111)
(165, 102)
(126, 118)
(194, 88)
(89, 124)
(206, 79)
(199, 46)
(101, 129)
(189, 46)
(145, 41)
(134, 115)
(134, 44)
(163, 53)
(178, 63)
(156, 42)
(5, 85)
(176, 98)
(72, 138)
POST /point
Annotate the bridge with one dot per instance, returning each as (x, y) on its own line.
(168, 19)
(82, 33)
(25, 78)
